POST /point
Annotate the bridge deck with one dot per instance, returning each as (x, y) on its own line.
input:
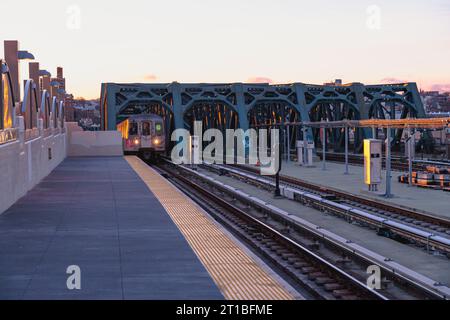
(98, 214)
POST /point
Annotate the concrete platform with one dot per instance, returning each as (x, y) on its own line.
(238, 272)
(98, 214)
(432, 201)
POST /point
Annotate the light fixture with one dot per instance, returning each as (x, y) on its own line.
(24, 55)
(44, 73)
(4, 68)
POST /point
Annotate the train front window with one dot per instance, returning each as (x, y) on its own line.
(133, 130)
(146, 128)
(158, 129)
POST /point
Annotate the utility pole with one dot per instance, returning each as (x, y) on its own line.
(409, 142)
(324, 147)
(346, 149)
(388, 193)
(277, 175)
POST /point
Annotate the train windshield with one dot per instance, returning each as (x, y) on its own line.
(133, 129)
(158, 129)
(146, 128)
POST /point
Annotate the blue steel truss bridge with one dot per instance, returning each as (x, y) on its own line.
(242, 105)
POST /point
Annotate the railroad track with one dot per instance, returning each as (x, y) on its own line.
(398, 164)
(419, 228)
(319, 265)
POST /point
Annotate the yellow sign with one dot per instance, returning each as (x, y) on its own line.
(367, 175)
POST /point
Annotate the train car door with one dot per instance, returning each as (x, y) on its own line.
(146, 134)
(132, 137)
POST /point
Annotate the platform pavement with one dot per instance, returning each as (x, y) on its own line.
(432, 201)
(98, 214)
(237, 271)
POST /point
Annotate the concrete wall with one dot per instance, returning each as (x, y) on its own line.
(24, 163)
(93, 143)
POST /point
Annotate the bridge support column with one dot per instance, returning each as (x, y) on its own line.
(177, 109)
(241, 109)
(177, 106)
(302, 108)
(416, 100)
(242, 114)
(111, 108)
(363, 109)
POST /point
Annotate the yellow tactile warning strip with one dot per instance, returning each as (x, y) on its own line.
(237, 275)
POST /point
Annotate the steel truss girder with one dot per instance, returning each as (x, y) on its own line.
(178, 99)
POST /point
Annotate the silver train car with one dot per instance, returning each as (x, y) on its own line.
(143, 135)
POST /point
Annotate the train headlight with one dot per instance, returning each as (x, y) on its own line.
(136, 141)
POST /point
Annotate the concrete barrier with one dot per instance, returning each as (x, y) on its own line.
(94, 143)
(29, 156)
(23, 163)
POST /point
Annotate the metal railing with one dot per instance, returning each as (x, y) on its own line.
(8, 135)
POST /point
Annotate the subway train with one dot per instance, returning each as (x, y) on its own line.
(143, 135)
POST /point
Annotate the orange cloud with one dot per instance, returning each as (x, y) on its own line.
(150, 77)
(259, 80)
(443, 87)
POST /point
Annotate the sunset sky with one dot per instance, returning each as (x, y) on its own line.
(234, 41)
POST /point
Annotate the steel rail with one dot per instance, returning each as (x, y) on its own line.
(361, 289)
(413, 280)
(406, 212)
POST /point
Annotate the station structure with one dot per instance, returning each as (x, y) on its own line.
(81, 220)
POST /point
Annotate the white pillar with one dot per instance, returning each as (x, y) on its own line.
(300, 152)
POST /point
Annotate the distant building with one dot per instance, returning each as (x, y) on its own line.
(434, 101)
(69, 110)
(85, 112)
(337, 82)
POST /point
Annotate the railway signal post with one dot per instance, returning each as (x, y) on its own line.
(346, 149)
(388, 193)
(324, 148)
(277, 193)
